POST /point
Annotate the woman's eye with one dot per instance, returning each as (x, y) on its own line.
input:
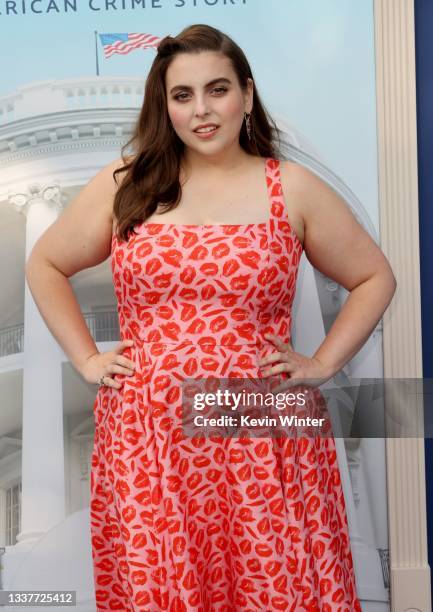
(181, 96)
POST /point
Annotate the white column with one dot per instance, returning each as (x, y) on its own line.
(43, 475)
(397, 149)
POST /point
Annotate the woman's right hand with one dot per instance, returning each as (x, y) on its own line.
(108, 364)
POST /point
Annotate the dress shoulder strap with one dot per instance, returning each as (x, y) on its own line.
(275, 190)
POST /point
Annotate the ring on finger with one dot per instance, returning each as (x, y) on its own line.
(101, 381)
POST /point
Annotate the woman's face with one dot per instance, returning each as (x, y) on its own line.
(202, 88)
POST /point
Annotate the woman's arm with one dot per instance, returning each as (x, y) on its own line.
(336, 245)
(80, 238)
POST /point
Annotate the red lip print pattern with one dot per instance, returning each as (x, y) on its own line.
(210, 524)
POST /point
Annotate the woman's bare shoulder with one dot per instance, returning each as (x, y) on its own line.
(104, 179)
(306, 192)
(116, 181)
(294, 177)
(118, 164)
(81, 236)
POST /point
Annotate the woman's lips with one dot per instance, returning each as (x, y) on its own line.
(206, 135)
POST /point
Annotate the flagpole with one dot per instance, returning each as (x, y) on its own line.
(96, 52)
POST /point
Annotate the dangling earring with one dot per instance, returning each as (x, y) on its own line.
(247, 117)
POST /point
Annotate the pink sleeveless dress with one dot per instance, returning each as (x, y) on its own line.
(216, 525)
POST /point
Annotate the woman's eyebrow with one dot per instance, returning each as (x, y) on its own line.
(188, 88)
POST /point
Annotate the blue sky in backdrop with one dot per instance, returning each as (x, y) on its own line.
(313, 61)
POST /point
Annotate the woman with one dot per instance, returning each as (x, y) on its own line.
(206, 227)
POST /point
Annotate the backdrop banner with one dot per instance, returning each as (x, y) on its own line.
(73, 76)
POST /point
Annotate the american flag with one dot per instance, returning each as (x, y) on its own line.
(124, 43)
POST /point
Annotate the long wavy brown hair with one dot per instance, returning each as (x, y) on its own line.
(152, 164)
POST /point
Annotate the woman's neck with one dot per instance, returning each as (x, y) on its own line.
(213, 168)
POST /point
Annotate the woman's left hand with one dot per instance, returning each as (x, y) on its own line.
(301, 369)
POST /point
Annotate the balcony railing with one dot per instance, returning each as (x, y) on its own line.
(88, 93)
(11, 340)
(104, 327)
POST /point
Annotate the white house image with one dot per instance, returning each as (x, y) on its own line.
(54, 137)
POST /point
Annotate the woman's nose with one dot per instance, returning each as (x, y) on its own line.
(201, 107)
